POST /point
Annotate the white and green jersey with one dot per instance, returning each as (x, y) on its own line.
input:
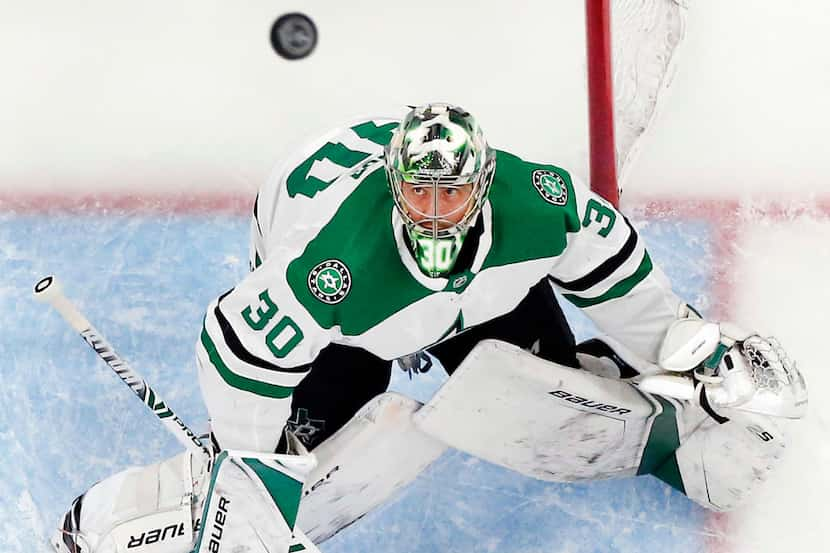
(332, 266)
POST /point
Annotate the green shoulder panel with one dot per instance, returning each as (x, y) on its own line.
(533, 210)
(351, 274)
(301, 181)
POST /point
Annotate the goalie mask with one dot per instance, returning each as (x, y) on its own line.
(439, 169)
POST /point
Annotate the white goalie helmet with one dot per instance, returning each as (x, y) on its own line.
(438, 147)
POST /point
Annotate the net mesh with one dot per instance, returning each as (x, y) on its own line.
(645, 35)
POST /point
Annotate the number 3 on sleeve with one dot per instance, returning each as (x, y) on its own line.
(595, 212)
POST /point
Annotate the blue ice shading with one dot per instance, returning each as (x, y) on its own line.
(144, 282)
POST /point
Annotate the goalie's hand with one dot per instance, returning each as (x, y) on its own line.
(754, 374)
(723, 366)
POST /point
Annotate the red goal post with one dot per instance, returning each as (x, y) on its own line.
(631, 50)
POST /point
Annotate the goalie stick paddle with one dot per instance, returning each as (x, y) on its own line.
(49, 290)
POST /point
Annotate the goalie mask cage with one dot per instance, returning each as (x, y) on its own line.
(631, 47)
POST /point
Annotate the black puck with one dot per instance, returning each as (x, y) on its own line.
(294, 36)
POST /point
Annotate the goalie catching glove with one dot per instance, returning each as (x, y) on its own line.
(721, 367)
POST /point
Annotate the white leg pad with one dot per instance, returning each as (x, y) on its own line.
(538, 418)
(556, 423)
(252, 502)
(722, 464)
(378, 452)
(148, 509)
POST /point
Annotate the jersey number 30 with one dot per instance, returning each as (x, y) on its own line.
(283, 336)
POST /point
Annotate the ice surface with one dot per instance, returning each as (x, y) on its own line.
(144, 281)
(784, 266)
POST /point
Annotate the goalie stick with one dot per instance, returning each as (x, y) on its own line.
(49, 290)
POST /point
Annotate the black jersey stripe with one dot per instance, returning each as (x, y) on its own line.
(256, 214)
(607, 267)
(620, 289)
(238, 381)
(235, 344)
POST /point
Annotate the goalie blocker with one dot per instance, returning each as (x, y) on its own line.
(503, 405)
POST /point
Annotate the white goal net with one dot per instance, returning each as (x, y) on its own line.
(645, 35)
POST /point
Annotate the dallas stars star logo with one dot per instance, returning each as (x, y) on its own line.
(304, 427)
(551, 186)
(330, 281)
